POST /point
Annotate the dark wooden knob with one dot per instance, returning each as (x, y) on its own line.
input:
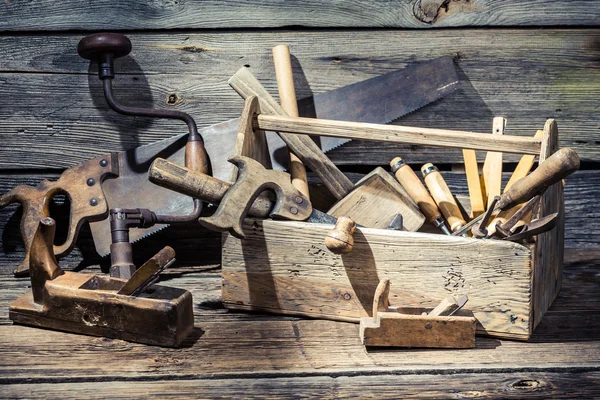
(92, 46)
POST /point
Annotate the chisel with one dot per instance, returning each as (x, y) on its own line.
(417, 191)
(443, 196)
(558, 166)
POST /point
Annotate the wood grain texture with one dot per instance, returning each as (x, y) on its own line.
(376, 200)
(57, 111)
(491, 174)
(121, 15)
(549, 246)
(258, 274)
(497, 385)
(195, 245)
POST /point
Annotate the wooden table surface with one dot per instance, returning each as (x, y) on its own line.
(524, 60)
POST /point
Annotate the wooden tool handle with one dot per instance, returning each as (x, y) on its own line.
(416, 190)
(340, 240)
(201, 186)
(491, 176)
(287, 98)
(196, 158)
(443, 196)
(521, 171)
(82, 183)
(338, 184)
(43, 262)
(556, 167)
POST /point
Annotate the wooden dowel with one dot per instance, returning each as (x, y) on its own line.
(399, 134)
(491, 175)
(287, 98)
(475, 191)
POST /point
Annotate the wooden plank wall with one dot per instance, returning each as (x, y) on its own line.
(525, 60)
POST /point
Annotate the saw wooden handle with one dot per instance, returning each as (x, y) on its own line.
(201, 186)
(338, 184)
(416, 190)
(443, 196)
(340, 240)
(556, 167)
(82, 184)
(287, 97)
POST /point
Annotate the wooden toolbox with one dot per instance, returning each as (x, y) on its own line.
(284, 267)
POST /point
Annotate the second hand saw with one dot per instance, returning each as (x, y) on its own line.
(120, 179)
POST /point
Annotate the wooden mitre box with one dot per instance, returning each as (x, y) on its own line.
(284, 267)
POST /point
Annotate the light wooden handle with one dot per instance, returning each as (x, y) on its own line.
(556, 167)
(416, 190)
(201, 186)
(338, 184)
(340, 240)
(474, 183)
(491, 176)
(443, 196)
(521, 171)
(381, 298)
(399, 134)
(287, 98)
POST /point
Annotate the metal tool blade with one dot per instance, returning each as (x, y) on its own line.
(132, 189)
(380, 100)
(384, 98)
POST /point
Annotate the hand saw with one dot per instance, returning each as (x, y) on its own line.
(123, 180)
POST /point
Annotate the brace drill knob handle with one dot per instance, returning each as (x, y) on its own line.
(104, 47)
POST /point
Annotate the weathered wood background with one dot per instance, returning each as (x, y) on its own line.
(524, 60)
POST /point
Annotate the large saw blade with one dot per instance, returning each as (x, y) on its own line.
(385, 98)
(379, 100)
(132, 189)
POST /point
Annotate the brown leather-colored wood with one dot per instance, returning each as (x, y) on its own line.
(88, 203)
(89, 304)
(196, 158)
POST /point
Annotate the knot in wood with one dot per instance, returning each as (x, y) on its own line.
(427, 10)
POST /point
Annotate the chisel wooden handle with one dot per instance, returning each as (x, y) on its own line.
(443, 196)
(338, 184)
(201, 186)
(417, 191)
(287, 97)
(556, 167)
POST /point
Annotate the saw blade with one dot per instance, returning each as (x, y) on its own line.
(380, 100)
(132, 189)
(384, 98)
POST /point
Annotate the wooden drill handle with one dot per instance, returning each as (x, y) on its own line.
(340, 240)
(287, 98)
(443, 196)
(201, 186)
(338, 184)
(196, 158)
(556, 167)
(416, 190)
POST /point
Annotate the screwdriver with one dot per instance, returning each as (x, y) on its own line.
(558, 166)
(417, 191)
(443, 196)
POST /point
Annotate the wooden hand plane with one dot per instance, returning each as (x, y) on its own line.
(101, 306)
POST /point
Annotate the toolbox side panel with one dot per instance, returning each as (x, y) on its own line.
(284, 267)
